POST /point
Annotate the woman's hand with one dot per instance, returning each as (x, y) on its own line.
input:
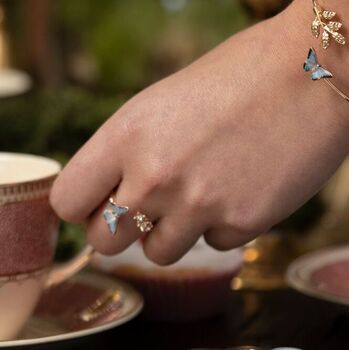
(225, 148)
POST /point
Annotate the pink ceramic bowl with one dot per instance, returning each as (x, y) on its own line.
(195, 287)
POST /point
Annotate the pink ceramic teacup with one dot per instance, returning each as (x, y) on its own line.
(28, 236)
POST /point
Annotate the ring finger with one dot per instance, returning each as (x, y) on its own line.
(98, 232)
(172, 238)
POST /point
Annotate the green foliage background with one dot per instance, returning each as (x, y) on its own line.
(127, 37)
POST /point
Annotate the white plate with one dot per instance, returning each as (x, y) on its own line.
(52, 322)
(302, 273)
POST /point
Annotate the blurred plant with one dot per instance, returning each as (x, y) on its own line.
(71, 241)
(124, 38)
(56, 124)
(262, 9)
(53, 122)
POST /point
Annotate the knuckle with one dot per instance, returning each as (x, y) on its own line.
(125, 130)
(217, 245)
(226, 239)
(158, 179)
(128, 129)
(152, 183)
(159, 254)
(103, 247)
(218, 242)
(158, 257)
(249, 222)
(196, 199)
(62, 209)
(237, 228)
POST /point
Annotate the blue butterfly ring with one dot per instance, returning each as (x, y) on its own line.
(112, 215)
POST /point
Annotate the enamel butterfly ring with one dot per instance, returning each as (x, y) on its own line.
(112, 215)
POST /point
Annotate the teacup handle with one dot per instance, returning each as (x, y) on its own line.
(60, 272)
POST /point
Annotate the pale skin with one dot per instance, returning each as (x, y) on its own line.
(225, 148)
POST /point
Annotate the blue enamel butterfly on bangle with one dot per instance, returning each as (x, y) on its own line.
(312, 65)
(318, 72)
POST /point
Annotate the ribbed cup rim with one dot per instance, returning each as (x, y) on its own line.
(23, 276)
(32, 188)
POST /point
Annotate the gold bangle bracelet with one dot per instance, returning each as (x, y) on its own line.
(324, 21)
(320, 73)
(339, 92)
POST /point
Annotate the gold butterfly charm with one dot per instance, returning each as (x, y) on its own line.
(324, 19)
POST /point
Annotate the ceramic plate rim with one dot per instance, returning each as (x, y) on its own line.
(300, 269)
(134, 311)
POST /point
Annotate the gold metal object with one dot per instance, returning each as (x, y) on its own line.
(262, 9)
(143, 223)
(338, 91)
(4, 48)
(12, 81)
(324, 20)
(109, 301)
(112, 215)
(265, 261)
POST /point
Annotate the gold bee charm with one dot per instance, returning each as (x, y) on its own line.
(324, 20)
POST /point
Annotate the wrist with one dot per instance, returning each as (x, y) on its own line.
(296, 20)
(336, 56)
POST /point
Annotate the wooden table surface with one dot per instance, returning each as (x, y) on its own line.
(269, 318)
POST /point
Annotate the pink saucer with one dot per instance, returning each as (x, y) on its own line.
(333, 278)
(86, 304)
(323, 274)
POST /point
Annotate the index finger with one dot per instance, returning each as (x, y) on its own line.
(90, 176)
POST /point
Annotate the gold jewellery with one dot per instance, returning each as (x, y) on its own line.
(143, 223)
(113, 213)
(324, 19)
(330, 29)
